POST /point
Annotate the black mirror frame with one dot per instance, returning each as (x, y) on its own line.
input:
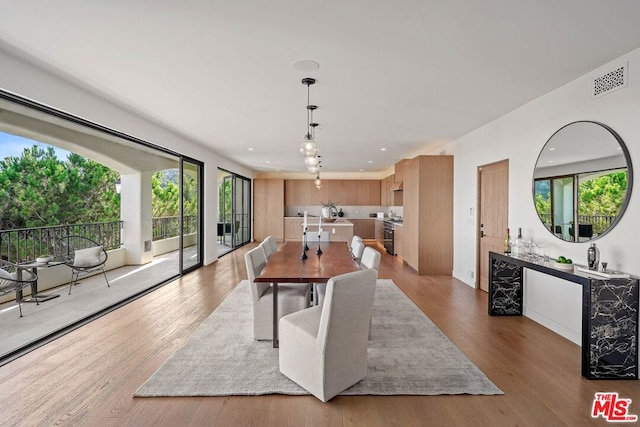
(627, 158)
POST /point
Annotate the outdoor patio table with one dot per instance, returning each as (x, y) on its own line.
(34, 266)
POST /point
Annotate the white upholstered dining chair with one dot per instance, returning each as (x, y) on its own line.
(371, 259)
(291, 298)
(272, 242)
(357, 247)
(267, 249)
(324, 348)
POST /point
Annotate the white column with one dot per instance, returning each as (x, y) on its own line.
(135, 212)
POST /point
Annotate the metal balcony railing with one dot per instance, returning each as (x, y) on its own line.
(26, 244)
(599, 222)
(169, 226)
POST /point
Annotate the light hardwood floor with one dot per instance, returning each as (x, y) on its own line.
(88, 376)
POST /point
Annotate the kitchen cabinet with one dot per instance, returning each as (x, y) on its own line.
(364, 228)
(293, 228)
(428, 214)
(379, 233)
(268, 208)
(399, 170)
(398, 240)
(386, 195)
(347, 192)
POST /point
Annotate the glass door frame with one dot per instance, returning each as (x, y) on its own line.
(237, 181)
(199, 220)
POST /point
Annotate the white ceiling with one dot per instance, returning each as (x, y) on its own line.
(405, 75)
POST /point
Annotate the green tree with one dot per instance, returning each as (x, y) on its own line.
(165, 194)
(38, 189)
(603, 195)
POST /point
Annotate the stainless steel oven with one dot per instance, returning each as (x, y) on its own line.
(388, 237)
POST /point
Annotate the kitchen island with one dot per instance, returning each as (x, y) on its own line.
(340, 230)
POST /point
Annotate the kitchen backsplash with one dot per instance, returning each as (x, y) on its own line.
(349, 211)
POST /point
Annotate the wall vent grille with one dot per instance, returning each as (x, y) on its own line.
(611, 81)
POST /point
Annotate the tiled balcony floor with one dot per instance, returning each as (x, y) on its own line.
(89, 296)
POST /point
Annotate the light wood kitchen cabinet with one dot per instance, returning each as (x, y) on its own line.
(347, 192)
(268, 208)
(398, 240)
(293, 229)
(364, 228)
(386, 195)
(399, 170)
(428, 214)
(379, 232)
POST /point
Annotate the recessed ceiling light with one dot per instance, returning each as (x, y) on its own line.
(361, 170)
(266, 161)
(370, 161)
(305, 65)
(383, 149)
(250, 149)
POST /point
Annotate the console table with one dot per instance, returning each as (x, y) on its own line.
(609, 313)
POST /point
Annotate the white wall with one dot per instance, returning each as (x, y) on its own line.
(22, 78)
(519, 137)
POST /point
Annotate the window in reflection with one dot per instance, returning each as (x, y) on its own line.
(599, 197)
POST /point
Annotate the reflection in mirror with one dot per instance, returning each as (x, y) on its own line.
(583, 176)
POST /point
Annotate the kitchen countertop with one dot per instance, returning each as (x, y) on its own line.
(313, 221)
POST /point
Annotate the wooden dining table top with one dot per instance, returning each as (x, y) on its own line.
(285, 265)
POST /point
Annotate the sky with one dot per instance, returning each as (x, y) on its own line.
(13, 145)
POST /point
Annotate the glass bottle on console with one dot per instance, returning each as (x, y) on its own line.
(507, 243)
(518, 247)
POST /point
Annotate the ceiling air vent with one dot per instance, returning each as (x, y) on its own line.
(610, 81)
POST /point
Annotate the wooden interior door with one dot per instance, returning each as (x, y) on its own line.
(493, 215)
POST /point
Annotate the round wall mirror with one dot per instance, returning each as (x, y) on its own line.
(582, 181)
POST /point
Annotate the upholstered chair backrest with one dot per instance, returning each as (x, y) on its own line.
(255, 262)
(272, 242)
(266, 248)
(346, 311)
(371, 259)
(357, 249)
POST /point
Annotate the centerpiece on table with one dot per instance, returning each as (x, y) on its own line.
(329, 211)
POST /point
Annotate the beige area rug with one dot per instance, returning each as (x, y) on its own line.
(408, 355)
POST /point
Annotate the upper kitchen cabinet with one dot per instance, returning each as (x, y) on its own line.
(268, 208)
(399, 170)
(302, 192)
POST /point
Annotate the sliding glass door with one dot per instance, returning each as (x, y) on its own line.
(191, 208)
(234, 210)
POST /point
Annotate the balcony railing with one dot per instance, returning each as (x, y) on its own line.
(169, 226)
(599, 222)
(26, 244)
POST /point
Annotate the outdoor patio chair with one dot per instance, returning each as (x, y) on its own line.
(82, 255)
(15, 279)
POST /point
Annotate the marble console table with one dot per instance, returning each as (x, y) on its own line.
(609, 313)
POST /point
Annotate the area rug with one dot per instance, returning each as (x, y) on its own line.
(408, 355)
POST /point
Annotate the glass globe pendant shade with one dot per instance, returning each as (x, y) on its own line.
(318, 183)
(308, 147)
(311, 161)
(314, 169)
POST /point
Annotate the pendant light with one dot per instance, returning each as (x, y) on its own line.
(308, 147)
(318, 182)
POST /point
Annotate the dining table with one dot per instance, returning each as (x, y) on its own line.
(287, 265)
